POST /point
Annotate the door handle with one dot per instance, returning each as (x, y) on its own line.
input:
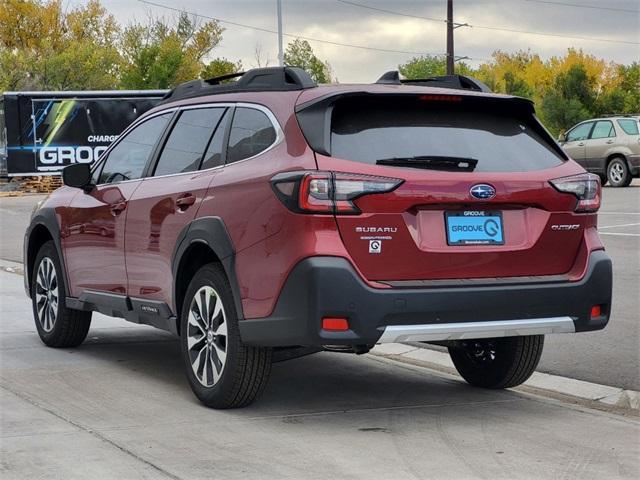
(609, 142)
(185, 201)
(581, 144)
(117, 208)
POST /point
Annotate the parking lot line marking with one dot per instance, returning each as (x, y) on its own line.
(618, 213)
(621, 234)
(621, 225)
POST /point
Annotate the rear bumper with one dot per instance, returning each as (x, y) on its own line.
(329, 287)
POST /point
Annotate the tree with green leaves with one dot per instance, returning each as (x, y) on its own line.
(161, 55)
(219, 67)
(570, 101)
(300, 54)
(426, 66)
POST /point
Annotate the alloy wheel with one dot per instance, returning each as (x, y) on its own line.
(207, 336)
(616, 172)
(47, 294)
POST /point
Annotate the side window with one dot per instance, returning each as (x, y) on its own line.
(251, 133)
(581, 132)
(629, 125)
(188, 140)
(603, 129)
(213, 156)
(126, 161)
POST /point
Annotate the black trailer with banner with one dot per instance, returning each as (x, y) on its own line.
(43, 132)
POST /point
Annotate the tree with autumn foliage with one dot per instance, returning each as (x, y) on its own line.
(566, 89)
(43, 46)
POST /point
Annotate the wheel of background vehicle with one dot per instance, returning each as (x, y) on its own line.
(222, 372)
(618, 173)
(58, 326)
(603, 179)
(497, 362)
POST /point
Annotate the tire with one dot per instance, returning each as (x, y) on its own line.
(232, 375)
(603, 179)
(57, 325)
(618, 173)
(497, 362)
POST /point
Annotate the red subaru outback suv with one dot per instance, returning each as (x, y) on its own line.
(256, 216)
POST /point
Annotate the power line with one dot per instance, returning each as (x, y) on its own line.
(490, 27)
(577, 5)
(369, 7)
(311, 39)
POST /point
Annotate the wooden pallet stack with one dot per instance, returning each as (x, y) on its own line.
(43, 184)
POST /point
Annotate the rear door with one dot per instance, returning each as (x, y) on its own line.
(168, 199)
(602, 137)
(575, 144)
(477, 167)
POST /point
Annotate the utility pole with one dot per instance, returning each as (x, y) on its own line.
(280, 51)
(450, 27)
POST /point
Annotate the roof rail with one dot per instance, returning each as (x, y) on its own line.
(458, 82)
(254, 80)
(609, 115)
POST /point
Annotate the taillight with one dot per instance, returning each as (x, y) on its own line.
(328, 192)
(585, 186)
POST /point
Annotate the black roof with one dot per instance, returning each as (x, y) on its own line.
(458, 82)
(255, 80)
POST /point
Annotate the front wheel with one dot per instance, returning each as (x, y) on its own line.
(497, 362)
(57, 325)
(222, 371)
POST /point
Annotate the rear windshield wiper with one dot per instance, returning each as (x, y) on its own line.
(432, 162)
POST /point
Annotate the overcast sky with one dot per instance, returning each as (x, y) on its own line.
(343, 22)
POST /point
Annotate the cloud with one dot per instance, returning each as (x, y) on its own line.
(338, 22)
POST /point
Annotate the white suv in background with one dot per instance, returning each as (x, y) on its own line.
(608, 147)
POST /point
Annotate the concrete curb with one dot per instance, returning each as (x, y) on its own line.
(604, 395)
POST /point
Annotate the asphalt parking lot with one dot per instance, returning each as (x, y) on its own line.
(120, 407)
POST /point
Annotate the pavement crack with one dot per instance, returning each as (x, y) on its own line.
(91, 432)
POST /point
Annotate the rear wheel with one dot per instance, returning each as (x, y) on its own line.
(222, 372)
(618, 173)
(497, 362)
(57, 325)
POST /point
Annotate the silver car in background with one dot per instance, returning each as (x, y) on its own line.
(608, 147)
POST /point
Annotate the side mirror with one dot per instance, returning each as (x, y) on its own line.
(562, 137)
(78, 175)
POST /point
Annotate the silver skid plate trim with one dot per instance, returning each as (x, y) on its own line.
(469, 330)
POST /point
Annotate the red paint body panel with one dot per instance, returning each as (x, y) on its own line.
(154, 223)
(416, 248)
(93, 238)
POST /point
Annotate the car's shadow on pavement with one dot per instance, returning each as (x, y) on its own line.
(321, 383)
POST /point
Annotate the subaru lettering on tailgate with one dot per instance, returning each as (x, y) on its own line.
(474, 228)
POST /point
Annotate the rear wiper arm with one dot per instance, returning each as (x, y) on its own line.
(432, 162)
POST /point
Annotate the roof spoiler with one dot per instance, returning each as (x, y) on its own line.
(254, 80)
(457, 82)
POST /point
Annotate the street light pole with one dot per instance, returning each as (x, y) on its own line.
(450, 26)
(280, 51)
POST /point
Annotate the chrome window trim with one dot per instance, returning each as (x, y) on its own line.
(256, 106)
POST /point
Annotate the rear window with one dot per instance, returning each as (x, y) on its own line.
(629, 125)
(367, 130)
